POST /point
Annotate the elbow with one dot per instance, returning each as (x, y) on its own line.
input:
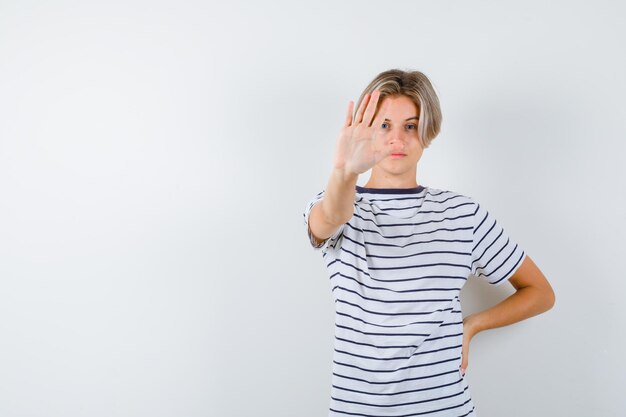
(552, 299)
(543, 298)
(549, 298)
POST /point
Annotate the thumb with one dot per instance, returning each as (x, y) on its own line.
(464, 355)
(463, 367)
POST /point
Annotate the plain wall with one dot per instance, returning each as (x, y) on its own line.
(156, 159)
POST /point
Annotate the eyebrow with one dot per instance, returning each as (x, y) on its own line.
(414, 117)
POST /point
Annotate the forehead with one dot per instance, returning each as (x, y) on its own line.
(399, 106)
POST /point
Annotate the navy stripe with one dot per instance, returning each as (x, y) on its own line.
(381, 334)
(355, 342)
(512, 268)
(398, 357)
(385, 371)
(399, 392)
(409, 244)
(419, 253)
(339, 313)
(423, 276)
(445, 229)
(397, 380)
(484, 267)
(488, 247)
(405, 403)
(484, 236)
(403, 415)
(411, 290)
(419, 266)
(461, 216)
(482, 221)
(426, 300)
(385, 313)
(412, 190)
(383, 212)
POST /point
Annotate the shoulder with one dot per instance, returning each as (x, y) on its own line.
(450, 197)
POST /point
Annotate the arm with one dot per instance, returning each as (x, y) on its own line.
(355, 153)
(337, 206)
(533, 296)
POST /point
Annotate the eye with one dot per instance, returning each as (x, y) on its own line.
(384, 125)
(411, 126)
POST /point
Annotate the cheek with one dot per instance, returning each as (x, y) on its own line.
(418, 153)
(416, 144)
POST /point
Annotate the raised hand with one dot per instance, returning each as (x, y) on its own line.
(357, 149)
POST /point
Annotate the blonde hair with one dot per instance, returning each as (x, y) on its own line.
(416, 86)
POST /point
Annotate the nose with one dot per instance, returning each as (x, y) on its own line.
(398, 138)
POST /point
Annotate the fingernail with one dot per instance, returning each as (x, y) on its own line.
(462, 371)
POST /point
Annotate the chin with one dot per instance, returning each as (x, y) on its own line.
(396, 171)
(399, 165)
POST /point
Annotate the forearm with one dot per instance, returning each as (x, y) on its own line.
(524, 303)
(338, 202)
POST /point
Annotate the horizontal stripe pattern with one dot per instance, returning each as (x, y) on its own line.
(494, 256)
(396, 269)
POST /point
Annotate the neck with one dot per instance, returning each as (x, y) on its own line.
(391, 182)
(381, 178)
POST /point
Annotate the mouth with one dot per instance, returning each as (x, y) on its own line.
(398, 155)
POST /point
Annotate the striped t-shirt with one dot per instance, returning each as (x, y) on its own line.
(396, 269)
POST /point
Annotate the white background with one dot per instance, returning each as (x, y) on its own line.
(156, 159)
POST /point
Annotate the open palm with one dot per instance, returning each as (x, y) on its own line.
(357, 149)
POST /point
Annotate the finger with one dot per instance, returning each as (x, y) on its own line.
(384, 152)
(378, 119)
(464, 355)
(359, 112)
(388, 149)
(371, 108)
(349, 115)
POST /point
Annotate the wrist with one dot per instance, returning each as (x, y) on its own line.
(345, 176)
(471, 324)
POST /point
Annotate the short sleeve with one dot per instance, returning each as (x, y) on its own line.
(495, 256)
(332, 240)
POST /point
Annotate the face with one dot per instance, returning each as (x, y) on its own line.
(397, 121)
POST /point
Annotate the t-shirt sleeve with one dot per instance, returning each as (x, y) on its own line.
(495, 256)
(332, 240)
